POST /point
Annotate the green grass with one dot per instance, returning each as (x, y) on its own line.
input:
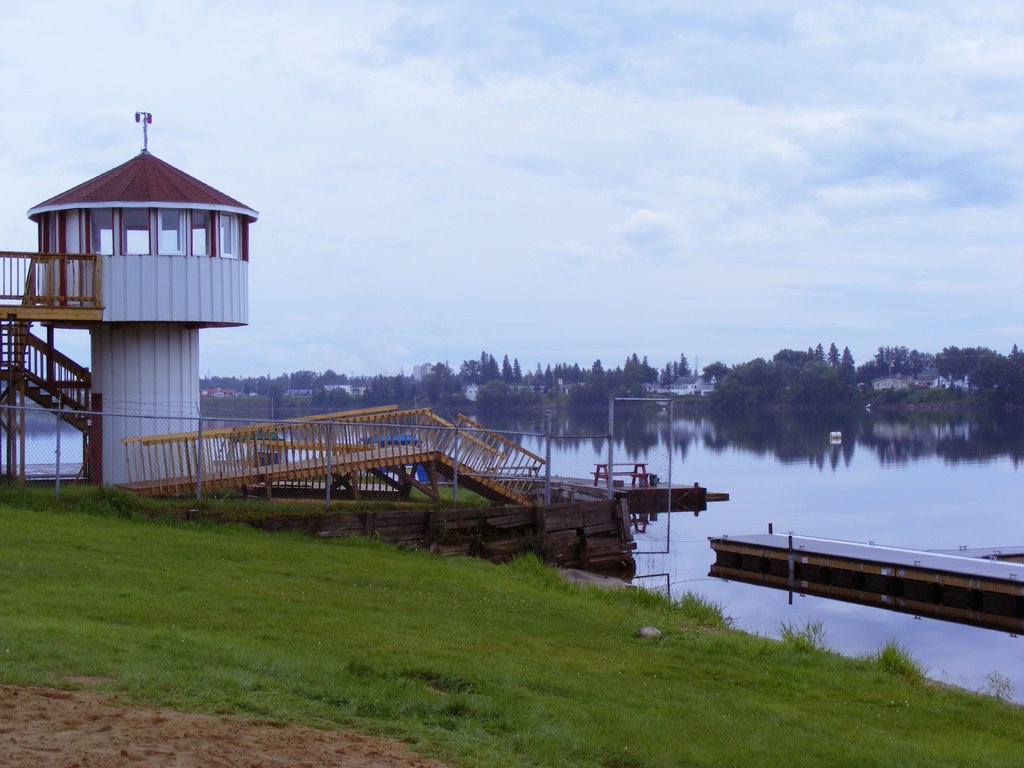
(477, 664)
(805, 638)
(894, 659)
(219, 505)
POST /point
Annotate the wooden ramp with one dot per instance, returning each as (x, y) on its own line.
(400, 449)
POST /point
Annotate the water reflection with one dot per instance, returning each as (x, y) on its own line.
(789, 438)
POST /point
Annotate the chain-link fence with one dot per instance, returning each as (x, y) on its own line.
(374, 454)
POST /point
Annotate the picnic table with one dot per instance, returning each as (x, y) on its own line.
(635, 470)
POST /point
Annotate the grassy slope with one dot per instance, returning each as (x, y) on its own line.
(477, 664)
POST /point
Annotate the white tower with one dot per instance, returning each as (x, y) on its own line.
(173, 257)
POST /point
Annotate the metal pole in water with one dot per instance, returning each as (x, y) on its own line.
(547, 461)
(792, 561)
(792, 568)
(671, 454)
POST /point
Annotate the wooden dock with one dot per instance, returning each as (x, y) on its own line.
(684, 498)
(644, 503)
(952, 587)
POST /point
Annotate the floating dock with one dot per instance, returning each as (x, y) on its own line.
(979, 591)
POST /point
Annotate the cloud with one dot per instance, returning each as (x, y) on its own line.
(425, 172)
(648, 229)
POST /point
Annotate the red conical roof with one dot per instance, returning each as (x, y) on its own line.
(144, 181)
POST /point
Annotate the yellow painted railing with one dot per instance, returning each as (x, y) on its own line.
(50, 279)
(336, 444)
(507, 462)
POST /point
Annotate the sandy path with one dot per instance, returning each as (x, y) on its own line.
(80, 729)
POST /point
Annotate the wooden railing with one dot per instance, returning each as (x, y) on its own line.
(508, 462)
(336, 443)
(58, 374)
(60, 379)
(50, 279)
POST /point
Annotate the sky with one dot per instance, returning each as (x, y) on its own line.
(556, 181)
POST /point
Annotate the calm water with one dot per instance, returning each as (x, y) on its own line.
(922, 482)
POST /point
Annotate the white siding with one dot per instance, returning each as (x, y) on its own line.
(143, 370)
(176, 289)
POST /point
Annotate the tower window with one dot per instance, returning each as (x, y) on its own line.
(101, 235)
(201, 233)
(135, 223)
(228, 236)
(172, 232)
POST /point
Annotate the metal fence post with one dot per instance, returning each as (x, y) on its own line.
(56, 486)
(330, 473)
(199, 459)
(611, 442)
(547, 461)
(671, 455)
(455, 476)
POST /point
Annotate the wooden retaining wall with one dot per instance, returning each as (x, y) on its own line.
(590, 535)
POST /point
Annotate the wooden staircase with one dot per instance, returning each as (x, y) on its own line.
(61, 289)
(33, 371)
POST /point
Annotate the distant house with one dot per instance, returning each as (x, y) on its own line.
(470, 391)
(352, 389)
(298, 392)
(563, 387)
(218, 392)
(884, 383)
(692, 385)
(931, 379)
(684, 385)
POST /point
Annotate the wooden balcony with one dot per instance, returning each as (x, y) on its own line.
(54, 287)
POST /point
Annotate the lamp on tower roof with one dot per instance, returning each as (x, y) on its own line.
(146, 118)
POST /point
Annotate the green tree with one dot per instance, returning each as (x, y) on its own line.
(493, 395)
(846, 363)
(683, 369)
(833, 355)
(715, 370)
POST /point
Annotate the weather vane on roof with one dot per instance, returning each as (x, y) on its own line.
(146, 118)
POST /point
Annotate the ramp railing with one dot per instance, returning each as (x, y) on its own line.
(335, 444)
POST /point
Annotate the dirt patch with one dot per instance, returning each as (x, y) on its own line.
(80, 729)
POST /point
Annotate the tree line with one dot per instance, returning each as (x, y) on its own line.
(815, 377)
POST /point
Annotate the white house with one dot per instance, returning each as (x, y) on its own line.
(899, 381)
(352, 389)
(931, 379)
(692, 385)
